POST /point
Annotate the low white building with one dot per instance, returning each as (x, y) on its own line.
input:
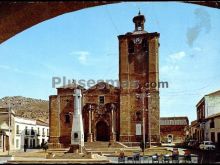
(31, 132)
(207, 125)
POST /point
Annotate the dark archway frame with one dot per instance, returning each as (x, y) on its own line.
(15, 17)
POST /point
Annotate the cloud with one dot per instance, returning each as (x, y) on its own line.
(177, 56)
(198, 49)
(82, 56)
(5, 67)
(203, 23)
(171, 69)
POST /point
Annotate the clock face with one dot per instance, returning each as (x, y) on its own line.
(137, 40)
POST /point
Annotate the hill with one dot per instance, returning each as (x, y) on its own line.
(27, 107)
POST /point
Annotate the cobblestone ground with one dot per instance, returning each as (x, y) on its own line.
(114, 160)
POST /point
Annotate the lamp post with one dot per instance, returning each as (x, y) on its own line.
(142, 96)
(9, 127)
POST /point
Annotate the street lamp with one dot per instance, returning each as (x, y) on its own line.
(9, 126)
(142, 96)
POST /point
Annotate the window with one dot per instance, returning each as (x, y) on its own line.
(47, 132)
(67, 118)
(32, 131)
(38, 131)
(17, 129)
(131, 47)
(26, 131)
(101, 99)
(43, 133)
(139, 26)
(17, 143)
(212, 124)
(138, 116)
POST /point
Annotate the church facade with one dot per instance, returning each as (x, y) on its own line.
(115, 113)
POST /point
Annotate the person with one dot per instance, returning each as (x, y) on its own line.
(187, 155)
(121, 156)
(175, 154)
(25, 147)
(109, 144)
(45, 146)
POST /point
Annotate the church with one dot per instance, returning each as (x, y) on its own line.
(115, 113)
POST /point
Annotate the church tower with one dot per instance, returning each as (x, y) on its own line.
(139, 75)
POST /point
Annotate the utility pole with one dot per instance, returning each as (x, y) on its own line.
(9, 128)
(143, 95)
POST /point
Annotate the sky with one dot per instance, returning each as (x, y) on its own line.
(84, 45)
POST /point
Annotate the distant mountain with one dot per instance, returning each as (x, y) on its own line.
(27, 107)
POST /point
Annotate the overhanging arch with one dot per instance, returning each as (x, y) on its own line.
(15, 17)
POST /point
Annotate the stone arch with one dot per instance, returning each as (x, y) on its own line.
(102, 130)
(16, 17)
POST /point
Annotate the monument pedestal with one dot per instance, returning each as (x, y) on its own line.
(90, 137)
(74, 148)
(113, 137)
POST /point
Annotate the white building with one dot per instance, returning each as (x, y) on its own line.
(30, 132)
(23, 131)
(207, 125)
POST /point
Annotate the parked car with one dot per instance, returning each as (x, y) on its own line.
(193, 144)
(207, 145)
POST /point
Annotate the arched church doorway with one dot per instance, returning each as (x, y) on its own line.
(102, 131)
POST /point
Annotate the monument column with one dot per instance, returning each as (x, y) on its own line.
(77, 134)
(90, 124)
(113, 136)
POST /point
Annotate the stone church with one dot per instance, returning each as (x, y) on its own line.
(115, 113)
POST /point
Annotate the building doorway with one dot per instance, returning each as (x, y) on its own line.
(26, 142)
(34, 143)
(102, 131)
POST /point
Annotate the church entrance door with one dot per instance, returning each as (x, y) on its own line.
(102, 131)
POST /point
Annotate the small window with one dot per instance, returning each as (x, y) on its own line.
(212, 124)
(131, 47)
(138, 116)
(139, 26)
(101, 99)
(67, 118)
(26, 131)
(38, 131)
(32, 131)
(17, 143)
(43, 132)
(17, 129)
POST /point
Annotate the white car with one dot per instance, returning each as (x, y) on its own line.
(207, 145)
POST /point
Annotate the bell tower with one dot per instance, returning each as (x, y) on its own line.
(138, 67)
